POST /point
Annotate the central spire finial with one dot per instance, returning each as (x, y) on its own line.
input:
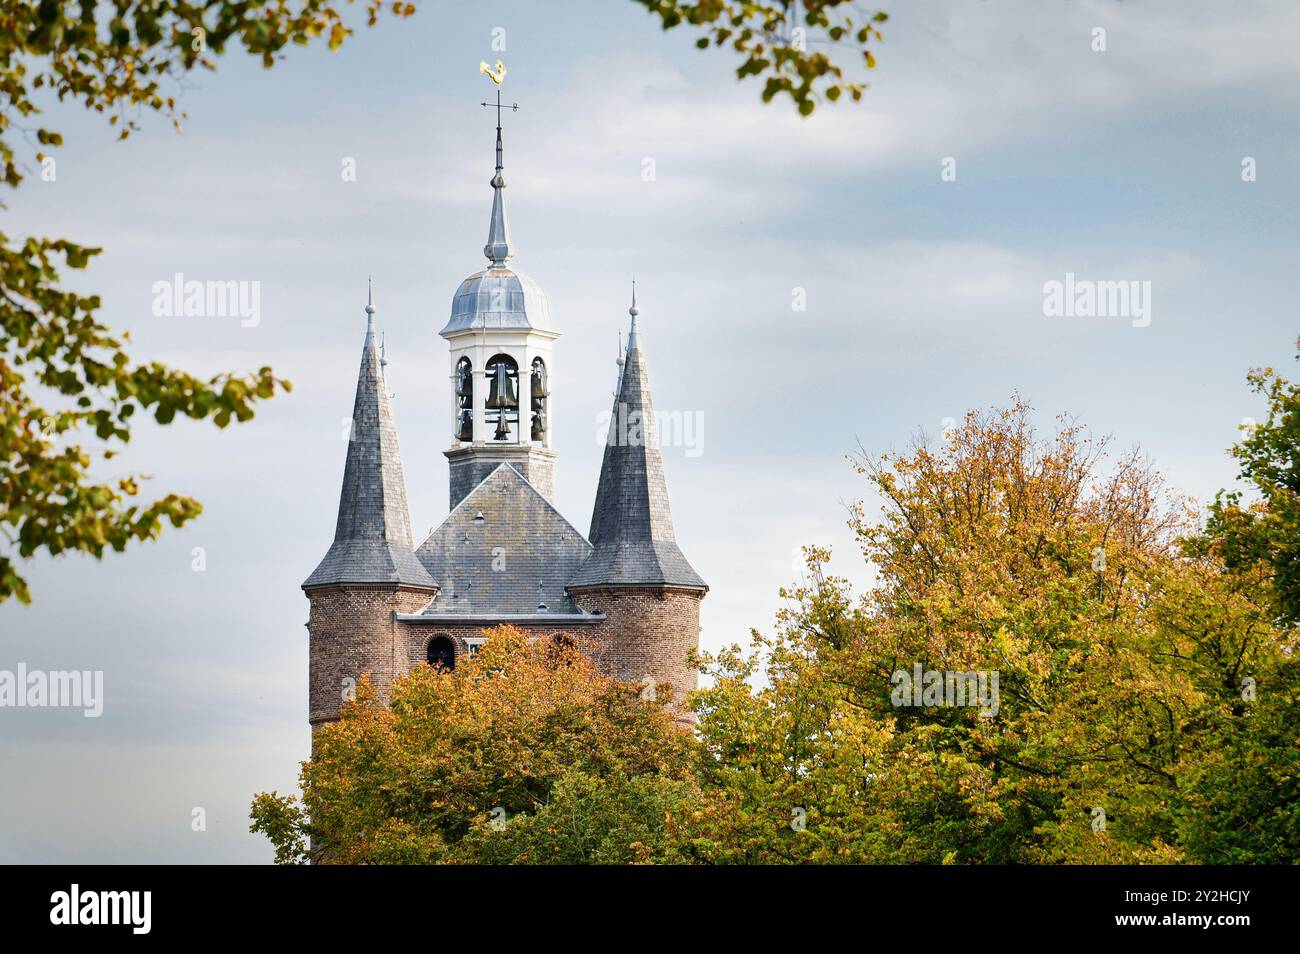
(498, 249)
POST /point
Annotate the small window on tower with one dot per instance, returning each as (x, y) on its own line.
(502, 405)
(464, 400)
(540, 393)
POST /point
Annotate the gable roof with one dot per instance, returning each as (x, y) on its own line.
(521, 552)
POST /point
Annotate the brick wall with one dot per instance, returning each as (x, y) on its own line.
(649, 632)
(352, 630)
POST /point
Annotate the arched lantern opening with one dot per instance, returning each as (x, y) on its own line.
(540, 393)
(502, 406)
(464, 425)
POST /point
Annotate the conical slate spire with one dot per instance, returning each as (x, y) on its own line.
(498, 248)
(632, 525)
(372, 539)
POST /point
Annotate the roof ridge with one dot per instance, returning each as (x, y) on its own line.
(528, 483)
(517, 559)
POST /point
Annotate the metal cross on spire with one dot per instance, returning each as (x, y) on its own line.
(513, 107)
(497, 76)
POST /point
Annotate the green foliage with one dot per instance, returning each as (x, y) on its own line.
(772, 44)
(282, 820)
(1242, 790)
(589, 820)
(1265, 529)
(52, 338)
(113, 59)
(1241, 794)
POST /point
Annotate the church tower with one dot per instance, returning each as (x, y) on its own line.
(637, 576)
(504, 554)
(370, 573)
(500, 335)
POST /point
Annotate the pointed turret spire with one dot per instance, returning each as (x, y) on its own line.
(632, 525)
(372, 539)
(498, 248)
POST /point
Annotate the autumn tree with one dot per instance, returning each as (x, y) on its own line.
(1119, 658)
(522, 753)
(1239, 613)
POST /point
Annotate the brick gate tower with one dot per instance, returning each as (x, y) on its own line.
(504, 554)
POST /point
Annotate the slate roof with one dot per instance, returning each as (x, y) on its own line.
(521, 553)
(632, 526)
(498, 298)
(372, 538)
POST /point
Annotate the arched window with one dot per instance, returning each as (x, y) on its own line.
(441, 653)
(464, 426)
(502, 405)
(540, 393)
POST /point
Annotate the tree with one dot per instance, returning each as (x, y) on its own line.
(63, 372)
(1265, 530)
(1119, 713)
(521, 753)
(1242, 789)
(772, 42)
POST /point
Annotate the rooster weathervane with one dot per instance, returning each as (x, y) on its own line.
(497, 76)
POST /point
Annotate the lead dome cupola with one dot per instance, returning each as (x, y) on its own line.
(499, 298)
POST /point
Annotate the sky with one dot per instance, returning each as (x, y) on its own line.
(922, 295)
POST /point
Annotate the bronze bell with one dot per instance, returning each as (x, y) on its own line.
(539, 392)
(464, 381)
(465, 426)
(503, 428)
(539, 427)
(501, 394)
